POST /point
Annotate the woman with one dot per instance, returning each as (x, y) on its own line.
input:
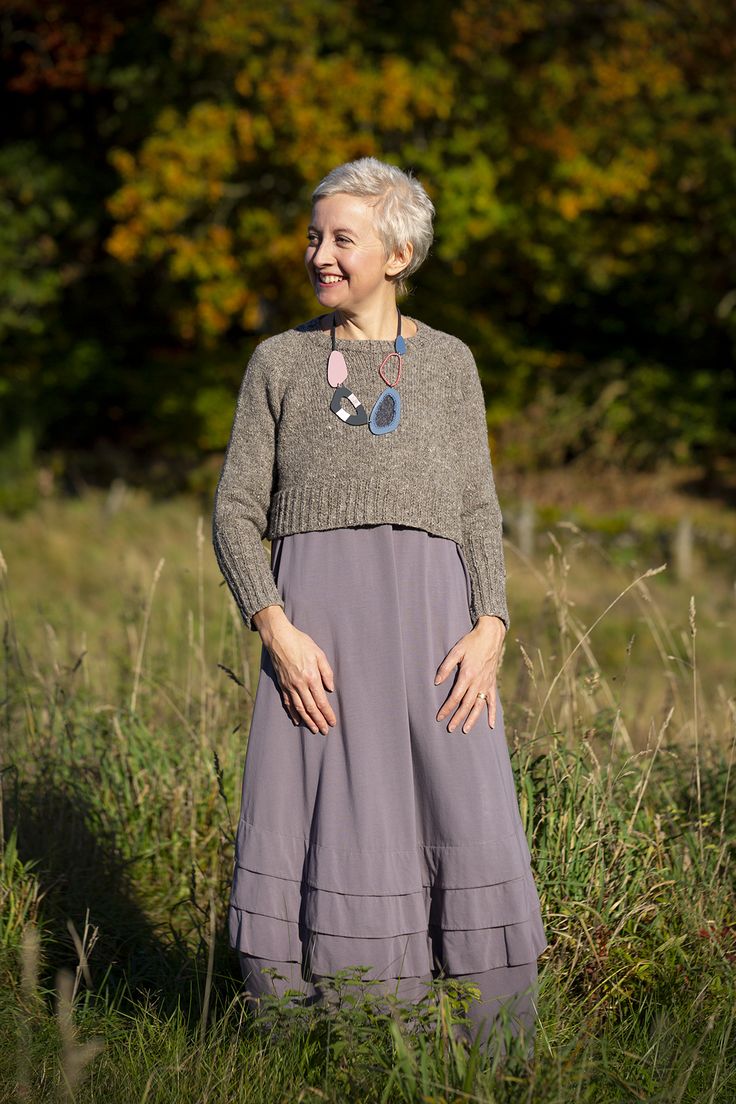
(379, 823)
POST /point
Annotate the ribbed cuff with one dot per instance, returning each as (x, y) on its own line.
(487, 578)
(248, 575)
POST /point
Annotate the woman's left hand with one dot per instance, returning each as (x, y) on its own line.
(478, 653)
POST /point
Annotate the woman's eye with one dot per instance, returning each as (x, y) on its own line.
(312, 239)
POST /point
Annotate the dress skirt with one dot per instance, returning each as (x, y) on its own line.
(389, 843)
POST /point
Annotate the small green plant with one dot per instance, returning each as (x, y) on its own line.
(19, 490)
(20, 894)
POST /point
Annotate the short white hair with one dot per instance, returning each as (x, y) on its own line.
(403, 211)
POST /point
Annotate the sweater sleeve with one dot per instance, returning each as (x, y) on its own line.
(243, 494)
(482, 523)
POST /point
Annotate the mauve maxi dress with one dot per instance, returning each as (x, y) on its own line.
(389, 843)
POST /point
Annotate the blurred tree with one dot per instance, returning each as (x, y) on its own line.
(75, 79)
(220, 192)
(36, 213)
(156, 183)
(609, 268)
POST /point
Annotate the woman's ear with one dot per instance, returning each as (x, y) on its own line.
(399, 259)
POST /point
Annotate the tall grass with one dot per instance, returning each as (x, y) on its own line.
(127, 685)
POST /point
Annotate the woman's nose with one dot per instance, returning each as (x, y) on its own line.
(321, 254)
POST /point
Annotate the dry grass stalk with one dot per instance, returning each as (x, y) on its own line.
(83, 947)
(30, 957)
(144, 634)
(647, 574)
(74, 1055)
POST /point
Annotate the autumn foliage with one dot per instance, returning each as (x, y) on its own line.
(156, 193)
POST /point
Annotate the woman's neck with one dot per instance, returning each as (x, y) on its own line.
(378, 323)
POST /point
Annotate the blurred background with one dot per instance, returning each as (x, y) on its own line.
(156, 170)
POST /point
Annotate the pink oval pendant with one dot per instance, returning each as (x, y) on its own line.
(337, 369)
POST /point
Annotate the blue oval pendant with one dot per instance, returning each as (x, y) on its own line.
(386, 411)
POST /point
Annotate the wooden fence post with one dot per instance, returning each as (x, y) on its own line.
(527, 524)
(682, 548)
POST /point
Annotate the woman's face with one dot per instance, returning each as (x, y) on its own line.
(343, 244)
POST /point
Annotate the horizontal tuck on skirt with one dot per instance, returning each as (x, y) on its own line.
(389, 843)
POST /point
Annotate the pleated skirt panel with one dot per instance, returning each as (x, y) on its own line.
(506, 1004)
(390, 843)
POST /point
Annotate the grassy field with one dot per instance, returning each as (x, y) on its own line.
(127, 687)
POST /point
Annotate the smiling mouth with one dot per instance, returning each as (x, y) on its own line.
(330, 280)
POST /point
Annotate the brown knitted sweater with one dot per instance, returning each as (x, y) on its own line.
(292, 465)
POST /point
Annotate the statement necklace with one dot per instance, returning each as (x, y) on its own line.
(387, 408)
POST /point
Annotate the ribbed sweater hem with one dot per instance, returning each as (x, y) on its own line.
(346, 503)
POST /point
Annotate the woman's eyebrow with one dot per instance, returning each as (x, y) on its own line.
(338, 229)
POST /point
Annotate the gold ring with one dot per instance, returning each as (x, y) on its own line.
(484, 696)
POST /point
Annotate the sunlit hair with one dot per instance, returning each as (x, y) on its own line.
(402, 211)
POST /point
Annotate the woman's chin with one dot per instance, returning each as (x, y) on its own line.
(330, 295)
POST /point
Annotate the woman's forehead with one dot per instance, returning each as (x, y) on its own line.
(343, 212)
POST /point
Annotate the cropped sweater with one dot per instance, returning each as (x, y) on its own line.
(293, 466)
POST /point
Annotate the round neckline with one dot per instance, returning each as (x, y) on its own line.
(348, 342)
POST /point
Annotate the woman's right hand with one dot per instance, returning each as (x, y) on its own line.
(302, 669)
